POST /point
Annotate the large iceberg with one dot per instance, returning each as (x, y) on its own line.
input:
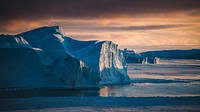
(45, 57)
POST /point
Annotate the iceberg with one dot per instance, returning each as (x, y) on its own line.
(46, 57)
(132, 57)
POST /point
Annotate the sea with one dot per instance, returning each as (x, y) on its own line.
(168, 78)
(170, 84)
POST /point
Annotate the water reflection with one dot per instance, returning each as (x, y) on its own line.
(114, 91)
(104, 91)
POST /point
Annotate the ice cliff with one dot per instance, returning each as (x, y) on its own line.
(45, 57)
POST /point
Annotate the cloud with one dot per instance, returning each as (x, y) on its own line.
(128, 23)
(43, 12)
(86, 37)
(37, 9)
(133, 28)
(141, 40)
(17, 26)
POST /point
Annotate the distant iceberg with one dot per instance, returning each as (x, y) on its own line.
(45, 57)
(132, 57)
(174, 54)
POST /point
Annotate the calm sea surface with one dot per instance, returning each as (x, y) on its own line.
(171, 78)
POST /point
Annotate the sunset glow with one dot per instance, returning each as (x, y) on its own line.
(134, 24)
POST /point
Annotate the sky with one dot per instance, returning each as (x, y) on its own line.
(141, 25)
